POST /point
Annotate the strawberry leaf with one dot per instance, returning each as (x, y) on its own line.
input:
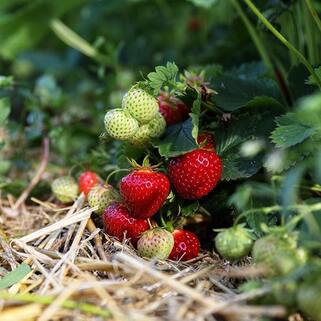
(235, 93)
(290, 132)
(230, 139)
(178, 139)
(162, 76)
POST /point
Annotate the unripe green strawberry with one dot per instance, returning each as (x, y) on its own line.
(148, 131)
(142, 137)
(65, 189)
(157, 125)
(309, 300)
(102, 196)
(119, 125)
(140, 104)
(278, 254)
(234, 243)
(156, 243)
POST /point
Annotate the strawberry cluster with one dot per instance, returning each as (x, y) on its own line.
(129, 213)
(138, 121)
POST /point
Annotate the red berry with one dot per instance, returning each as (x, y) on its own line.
(202, 137)
(172, 108)
(87, 180)
(194, 24)
(171, 113)
(117, 221)
(186, 246)
(144, 191)
(195, 173)
(183, 109)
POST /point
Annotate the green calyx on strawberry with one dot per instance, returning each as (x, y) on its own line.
(65, 189)
(145, 133)
(120, 125)
(155, 243)
(278, 253)
(234, 243)
(118, 223)
(144, 190)
(101, 196)
(140, 105)
(197, 82)
(195, 173)
(205, 140)
(173, 109)
(186, 245)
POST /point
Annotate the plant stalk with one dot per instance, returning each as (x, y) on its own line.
(254, 35)
(283, 40)
(47, 300)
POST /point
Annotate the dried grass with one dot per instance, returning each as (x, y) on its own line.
(80, 273)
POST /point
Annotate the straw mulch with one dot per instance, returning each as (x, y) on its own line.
(80, 273)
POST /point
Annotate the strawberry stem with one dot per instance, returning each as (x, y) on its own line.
(145, 165)
(81, 165)
(114, 172)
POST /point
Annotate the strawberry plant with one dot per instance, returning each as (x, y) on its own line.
(200, 121)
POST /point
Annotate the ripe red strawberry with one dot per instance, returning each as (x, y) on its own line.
(202, 137)
(117, 222)
(144, 191)
(170, 113)
(87, 180)
(172, 108)
(183, 109)
(186, 245)
(195, 173)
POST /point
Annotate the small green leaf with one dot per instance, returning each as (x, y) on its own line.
(162, 76)
(4, 109)
(189, 209)
(290, 132)
(178, 140)
(15, 276)
(6, 81)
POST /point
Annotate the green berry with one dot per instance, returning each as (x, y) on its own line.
(155, 243)
(148, 131)
(140, 105)
(309, 300)
(157, 125)
(142, 136)
(119, 125)
(102, 196)
(65, 189)
(234, 243)
(278, 254)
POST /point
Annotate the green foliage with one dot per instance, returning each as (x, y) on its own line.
(178, 139)
(235, 93)
(230, 139)
(163, 76)
(69, 61)
(15, 276)
(290, 131)
(4, 110)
